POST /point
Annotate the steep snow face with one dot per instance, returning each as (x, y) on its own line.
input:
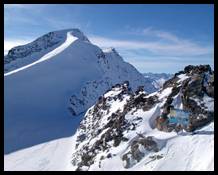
(23, 55)
(114, 70)
(69, 40)
(49, 83)
(116, 64)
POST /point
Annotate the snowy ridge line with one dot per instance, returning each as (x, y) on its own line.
(69, 40)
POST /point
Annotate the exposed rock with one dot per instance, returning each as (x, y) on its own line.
(138, 149)
(188, 90)
(197, 69)
(109, 155)
(80, 138)
(192, 89)
(171, 82)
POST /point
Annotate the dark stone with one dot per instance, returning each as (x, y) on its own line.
(109, 155)
(148, 143)
(81, 138)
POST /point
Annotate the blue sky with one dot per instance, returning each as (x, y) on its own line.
(154, 38)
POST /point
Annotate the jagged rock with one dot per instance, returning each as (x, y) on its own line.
(175, 91)
(199, 82)
(209, 89)
(86, 160)
(80, 138)
(109, 155)
(190, 69)
(178, 73)
(136, 154)
(187, 93)
(171, 82)
(195, 86)
(117, 140)
(124, 139)
(156, 157)
(140, 89)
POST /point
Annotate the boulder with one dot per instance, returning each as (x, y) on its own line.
(138, 149)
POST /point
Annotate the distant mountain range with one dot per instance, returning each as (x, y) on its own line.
(157, 79)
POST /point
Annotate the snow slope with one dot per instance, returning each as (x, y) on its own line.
(181, 152)
(50, 156)
(23, 55)
(57, 75)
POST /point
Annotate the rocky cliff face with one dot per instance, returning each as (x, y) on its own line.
(193, 91)
(122, 124)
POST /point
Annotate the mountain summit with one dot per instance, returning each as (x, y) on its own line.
(58, 75)
(22, 55)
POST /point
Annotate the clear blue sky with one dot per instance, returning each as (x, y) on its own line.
(154, 38)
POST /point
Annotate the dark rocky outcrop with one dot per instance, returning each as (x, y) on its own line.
(136, 154)
(199, 83)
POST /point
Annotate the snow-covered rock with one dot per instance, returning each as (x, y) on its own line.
(119, 132)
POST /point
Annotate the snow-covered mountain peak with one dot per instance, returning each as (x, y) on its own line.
(77, 33)
(109, 50)
(57, 75)
(112, 53)
(23, 55)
